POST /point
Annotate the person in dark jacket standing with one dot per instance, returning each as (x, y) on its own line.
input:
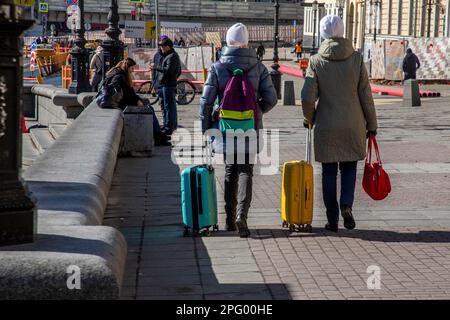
(121, 75)
(260, 51)
(238, 176)
(410, 64)
(170, 70)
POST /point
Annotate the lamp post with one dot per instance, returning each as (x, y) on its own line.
(375, 20)
(315, 7)
(274, 73)
(17, 209)
(340, 5)
(429, 18)
(80, 58)
(112, 47)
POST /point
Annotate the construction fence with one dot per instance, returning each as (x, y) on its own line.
(433, 54)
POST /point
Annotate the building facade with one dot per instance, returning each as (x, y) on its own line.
(386, 19)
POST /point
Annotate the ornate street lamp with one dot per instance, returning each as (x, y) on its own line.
(340, 5)
(17, 209)
(80, 58)
(315, 7)
(113, 47)
(274, 73)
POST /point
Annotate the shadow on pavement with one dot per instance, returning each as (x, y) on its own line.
(162, 264)
(426, 236)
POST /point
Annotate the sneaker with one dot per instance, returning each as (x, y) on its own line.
(349, 221)
(332, 227)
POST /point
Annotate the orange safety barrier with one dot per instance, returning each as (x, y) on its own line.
(38, 79)
(66, 76)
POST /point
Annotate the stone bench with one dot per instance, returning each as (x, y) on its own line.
(55, 105)
(70, 182)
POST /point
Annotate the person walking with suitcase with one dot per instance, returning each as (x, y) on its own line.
(343, 118)
(239, 60)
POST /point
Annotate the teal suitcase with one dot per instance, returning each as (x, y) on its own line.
(199, 200)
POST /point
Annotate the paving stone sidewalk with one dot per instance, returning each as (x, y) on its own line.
(406, 236)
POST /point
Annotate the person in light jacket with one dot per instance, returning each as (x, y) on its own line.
(343, 117)
(238, 177)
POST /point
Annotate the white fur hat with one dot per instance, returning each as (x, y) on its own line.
(237, 36)
(331, 26)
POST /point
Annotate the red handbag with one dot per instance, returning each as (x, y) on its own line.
(376, 181)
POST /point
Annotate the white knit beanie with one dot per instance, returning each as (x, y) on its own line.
(237, 36)
(331, 26)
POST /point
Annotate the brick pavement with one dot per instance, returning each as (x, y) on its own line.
(407, 236)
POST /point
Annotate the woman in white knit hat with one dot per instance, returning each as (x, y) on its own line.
(343, 117)
(238, 177)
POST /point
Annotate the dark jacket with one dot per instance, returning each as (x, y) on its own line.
(410, 64)
(170, 68)
(245, 59)
(130, 98)
(158, 58)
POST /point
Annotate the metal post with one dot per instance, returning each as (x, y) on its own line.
(80, 58)
(315, 4)
(416, 4)
(113, 47)
(363, 41)
(429, 19)
(375, 22)
(274, 73)
(157, 23)
(18, 216)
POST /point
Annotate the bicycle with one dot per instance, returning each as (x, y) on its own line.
(185, 91)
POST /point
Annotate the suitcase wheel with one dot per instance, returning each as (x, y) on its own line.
(308, 228)
(216, 227)
(206, 233)
(284, 224)
(291, 228)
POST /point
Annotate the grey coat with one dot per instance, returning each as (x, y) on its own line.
(245, 59)
(345, 111)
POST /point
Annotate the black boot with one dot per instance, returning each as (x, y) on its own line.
(162, 140)
(349, 221)
(230, 223)
(241, 223)
(332, 227)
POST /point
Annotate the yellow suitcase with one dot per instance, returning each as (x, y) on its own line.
(297, 194)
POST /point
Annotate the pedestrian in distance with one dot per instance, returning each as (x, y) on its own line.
(181, 43)
(158, 58)
(237, 59)
(170, 70)
(120, 76)
(96, 66)
(343, 117)
(299, 49)
(410, 64)
(260, 51)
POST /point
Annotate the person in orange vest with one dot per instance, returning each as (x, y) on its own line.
(299, 49)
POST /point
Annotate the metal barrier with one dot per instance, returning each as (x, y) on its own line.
(66, 76)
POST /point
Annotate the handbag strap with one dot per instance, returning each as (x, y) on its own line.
(377, 151)
(372, 141)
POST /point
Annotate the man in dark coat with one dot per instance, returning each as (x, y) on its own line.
(170, 70)
(410, 65)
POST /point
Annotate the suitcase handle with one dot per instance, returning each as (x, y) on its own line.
(308, 144)
(307, 194)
